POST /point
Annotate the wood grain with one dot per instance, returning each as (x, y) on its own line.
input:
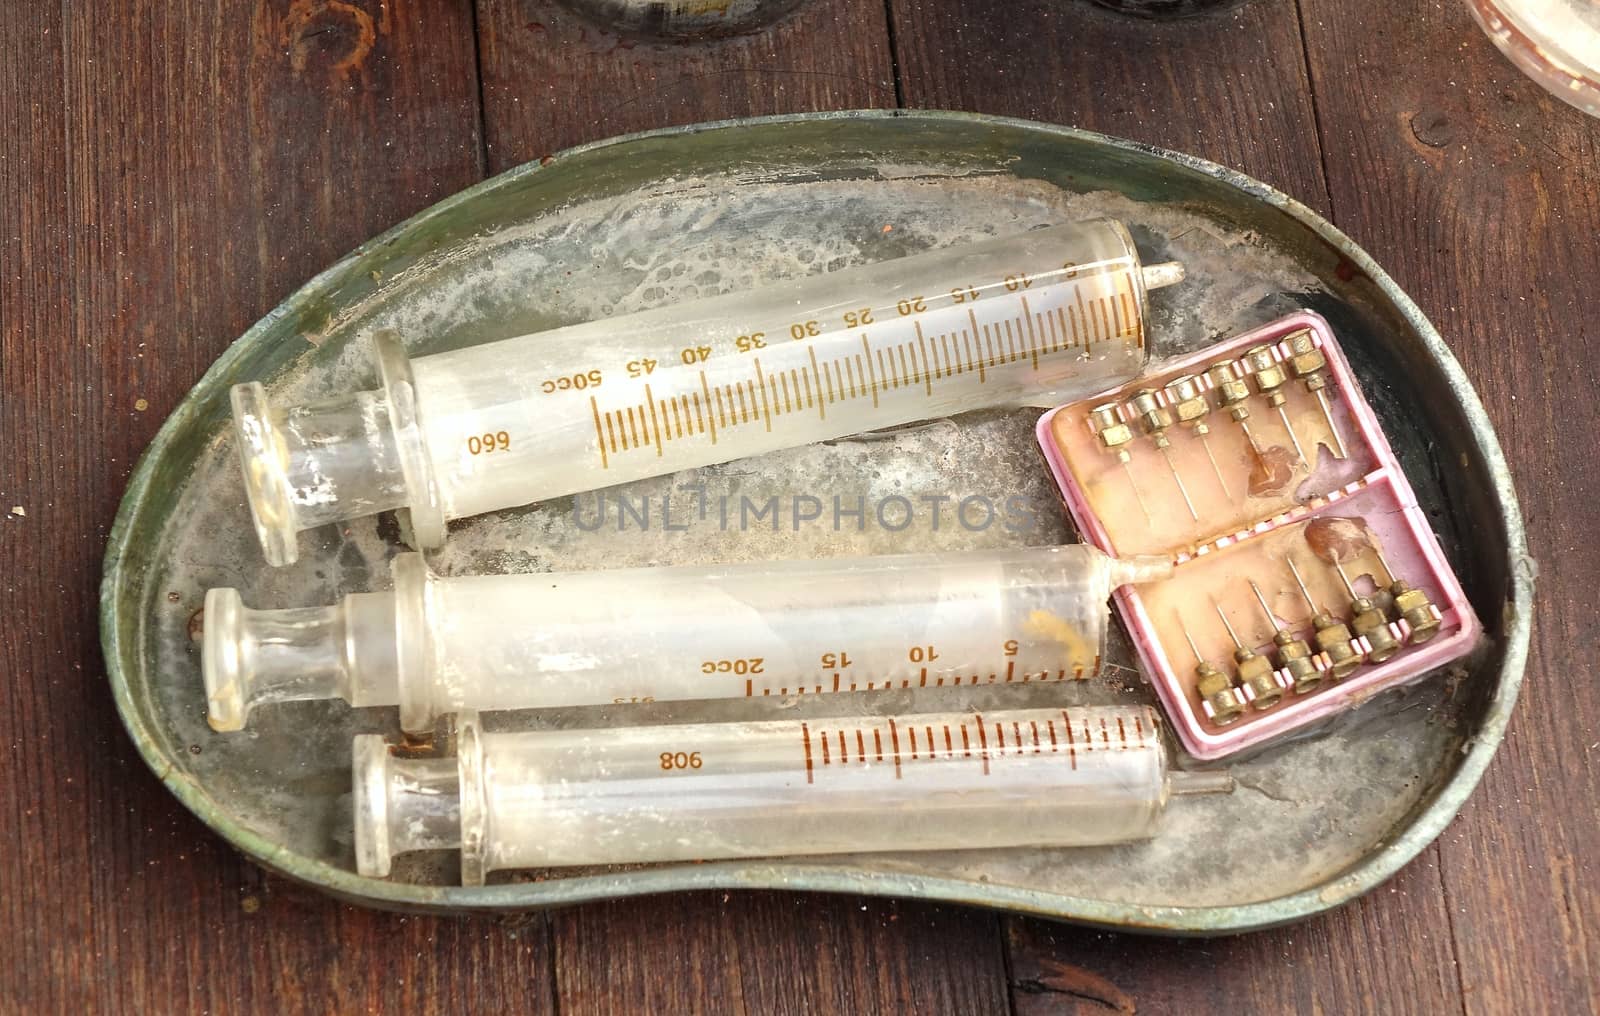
(1230, 87)
(34, 314)
(1164, 84)
(170, 172)
(1487, 211)
(1346, 962)
(551, 80)
(777, 952)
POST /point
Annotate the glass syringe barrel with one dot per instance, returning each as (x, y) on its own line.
(1039, 318)
(438, 645)
(936, 781)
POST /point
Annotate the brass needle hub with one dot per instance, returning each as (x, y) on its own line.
(1294, 653)
(1215, 690)
(1255, 671)
(1333, 637)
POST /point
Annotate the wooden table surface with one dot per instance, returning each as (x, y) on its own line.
(170, 171)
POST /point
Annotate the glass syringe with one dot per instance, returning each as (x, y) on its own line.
(937, 781)
(1038, 319)
(437, 645)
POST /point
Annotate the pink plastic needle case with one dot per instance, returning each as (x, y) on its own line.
(1232, 502)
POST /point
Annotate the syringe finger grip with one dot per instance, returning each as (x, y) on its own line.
(1035, 777)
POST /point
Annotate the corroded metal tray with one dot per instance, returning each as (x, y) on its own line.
(643, 220)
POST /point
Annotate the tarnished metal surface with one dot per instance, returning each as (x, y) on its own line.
(652, 218)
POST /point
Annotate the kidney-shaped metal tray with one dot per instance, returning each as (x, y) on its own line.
(670, 215)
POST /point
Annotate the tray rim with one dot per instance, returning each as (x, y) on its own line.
(1378, 866)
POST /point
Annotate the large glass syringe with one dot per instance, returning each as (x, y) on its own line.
(437, 645)
(1039, 319)
(939, 781)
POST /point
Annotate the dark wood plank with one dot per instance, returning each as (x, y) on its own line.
(1481, 195)
(1230, 87)
(1349, 962)
(777, 953)
(34, 305)
(551, 79)
(170, 171)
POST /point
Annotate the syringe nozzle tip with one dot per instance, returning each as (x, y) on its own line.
(1127, 571)
(1167, 273)
(1202, 782)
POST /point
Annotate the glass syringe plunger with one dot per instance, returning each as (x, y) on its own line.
(1039, 318)
(437, 645)
(937, 781)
